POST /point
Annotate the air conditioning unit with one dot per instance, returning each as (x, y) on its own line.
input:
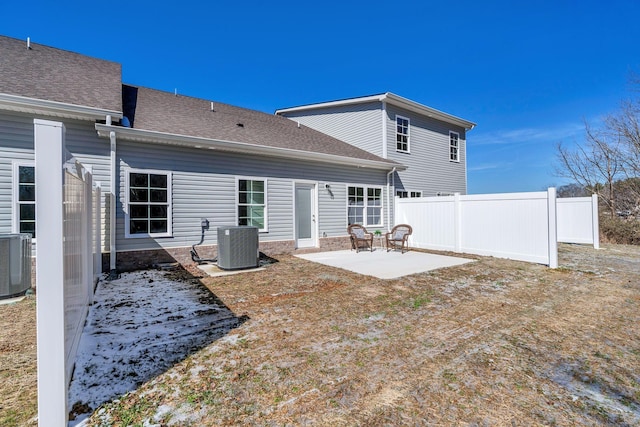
(15, 264)
(238, 247)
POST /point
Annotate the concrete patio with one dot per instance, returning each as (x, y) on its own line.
(383, 264)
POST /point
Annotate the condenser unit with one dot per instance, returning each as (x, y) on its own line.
(15, 264)
(238, 247)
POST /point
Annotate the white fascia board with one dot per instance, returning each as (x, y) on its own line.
(410, 105)
(392, 99)
(53, 108)
(148, 136)
(339, 103)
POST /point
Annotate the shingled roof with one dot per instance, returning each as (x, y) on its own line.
(47, 73)
(166, 112)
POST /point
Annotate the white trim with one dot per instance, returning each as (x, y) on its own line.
(141, 135)
(316, 213)
(392, 99)
(266, 199)
(385, 137)
(127, 231)
(457, 134)
(396, 133)
(53, 108)
(365, 206)
(15, 199)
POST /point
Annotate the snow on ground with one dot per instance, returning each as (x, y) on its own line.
(138, 327)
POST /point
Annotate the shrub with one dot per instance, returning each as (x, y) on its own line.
(619, 230)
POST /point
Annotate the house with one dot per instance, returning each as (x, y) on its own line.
(165, 161)
(431, 143)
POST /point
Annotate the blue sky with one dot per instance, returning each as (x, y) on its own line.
(528, 74)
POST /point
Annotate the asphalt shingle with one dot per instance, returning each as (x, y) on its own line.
(52, 74)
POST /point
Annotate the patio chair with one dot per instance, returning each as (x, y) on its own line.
(398, 236)
(358, 234)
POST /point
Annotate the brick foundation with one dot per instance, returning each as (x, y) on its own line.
(137, 260)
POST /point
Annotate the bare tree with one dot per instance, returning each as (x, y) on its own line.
(610, 154)
(596, 165)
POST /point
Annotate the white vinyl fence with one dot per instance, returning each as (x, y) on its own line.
(578, 220)
(519, 226)
(66, 241)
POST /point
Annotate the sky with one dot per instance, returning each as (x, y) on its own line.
(529, 74)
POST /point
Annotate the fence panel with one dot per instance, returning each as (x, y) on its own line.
(578, 220)
(518, 226)
(432, 220)
(64, 265)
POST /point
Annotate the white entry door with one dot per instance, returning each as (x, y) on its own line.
(305, 215)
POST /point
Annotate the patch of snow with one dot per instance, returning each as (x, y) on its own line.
(139, 326)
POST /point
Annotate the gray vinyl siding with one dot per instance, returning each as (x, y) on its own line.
(204, 186)
(359, 125)
(16, 144)
(428, 166)
(203, 183)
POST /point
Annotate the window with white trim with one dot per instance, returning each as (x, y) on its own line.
(148, 200)
(402, 134)
(454, 147)
(252, 203)
(364, 205)
(24, 180)
(403, 194)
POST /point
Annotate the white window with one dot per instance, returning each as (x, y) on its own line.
(402, 134)
(403, 194)
(454, 147)
(148, 203)
(252, 203)
(24, 196)
(364, 206)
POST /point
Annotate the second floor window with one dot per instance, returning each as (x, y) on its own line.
(402, 134)
(454, 148)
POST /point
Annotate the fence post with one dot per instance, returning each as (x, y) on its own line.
(87, 220)
(552, 224)
(457, 213)
(52, 385)
(596, 221)
(97, 260)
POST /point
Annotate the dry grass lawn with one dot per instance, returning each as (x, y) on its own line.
(494, 342)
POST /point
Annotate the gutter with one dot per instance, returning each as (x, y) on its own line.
(240, 147)
(53, 108)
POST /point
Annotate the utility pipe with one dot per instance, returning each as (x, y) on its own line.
(388, 197)
(112, 204)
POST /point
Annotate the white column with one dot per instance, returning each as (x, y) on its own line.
(52, 386)
(595, 221)
(552, 227)
(457, 212)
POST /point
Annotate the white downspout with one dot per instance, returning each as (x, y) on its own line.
(112, 205)
(389, 196)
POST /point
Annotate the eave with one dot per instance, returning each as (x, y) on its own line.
(390, 98)
(54, 109)
(141, 135)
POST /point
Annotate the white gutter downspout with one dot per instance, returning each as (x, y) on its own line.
(389, 196)
(112, 204)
